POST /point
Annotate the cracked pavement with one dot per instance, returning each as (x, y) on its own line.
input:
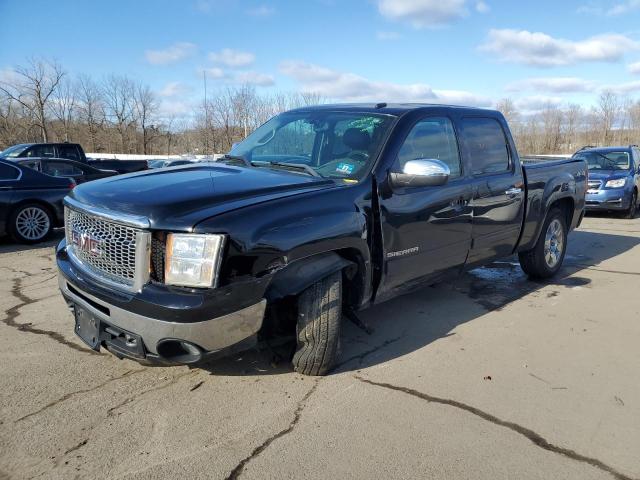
(489, 376)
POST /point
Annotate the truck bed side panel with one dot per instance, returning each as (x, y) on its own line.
(547, 183)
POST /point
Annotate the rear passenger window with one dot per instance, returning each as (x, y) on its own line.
(432, 138)
(487, 145)
(7, 172)
(60, 169)
(68, 151)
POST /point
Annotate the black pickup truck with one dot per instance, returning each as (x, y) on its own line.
(321, 212)
(71, 151)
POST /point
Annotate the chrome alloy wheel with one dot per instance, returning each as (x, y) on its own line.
(33, 223)
(553, 243)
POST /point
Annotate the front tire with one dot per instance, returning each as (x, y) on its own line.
(546, 257)
(30, 223)
(631, 213)
(318, 326)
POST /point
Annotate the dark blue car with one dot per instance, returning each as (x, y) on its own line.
(614, 178)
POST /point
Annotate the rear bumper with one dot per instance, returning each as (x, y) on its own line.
(612, 199)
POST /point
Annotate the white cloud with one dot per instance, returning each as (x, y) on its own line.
(214, 72)
(623, 88)
(254, 78)
(634, 68)
(386, 36)
(621, 8)
(261, 11)
(542, 50)
(352, 87)
(174, 89)
(174, 53)
(175, 108)
(482, 7)
(537, 102)
(232, 58)
(423, 13)
(552, 85)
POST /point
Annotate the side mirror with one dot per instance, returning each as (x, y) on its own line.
(421, 173)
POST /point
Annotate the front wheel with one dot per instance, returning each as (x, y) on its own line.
(545, 258)
(318, 326)
(30, 223)
(631, 213)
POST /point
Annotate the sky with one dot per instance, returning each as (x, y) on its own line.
(463, 52)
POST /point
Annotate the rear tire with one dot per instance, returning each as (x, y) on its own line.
(633, 206)
(318, 326)
(30, 223)
(546, 257)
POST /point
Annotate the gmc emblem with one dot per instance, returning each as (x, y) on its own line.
(86, 243)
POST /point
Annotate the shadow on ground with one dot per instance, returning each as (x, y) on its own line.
(8, 245)
(408, 323)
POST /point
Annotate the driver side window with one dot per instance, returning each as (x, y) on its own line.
(432, 138)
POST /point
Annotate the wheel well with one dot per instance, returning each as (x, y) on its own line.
(354, 277)
(567, 206)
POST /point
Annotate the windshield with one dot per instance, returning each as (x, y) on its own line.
(14, 151)
(334, 144)
(606, 160)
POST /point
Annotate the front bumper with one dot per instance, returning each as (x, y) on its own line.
(608, 199)
(219, 331)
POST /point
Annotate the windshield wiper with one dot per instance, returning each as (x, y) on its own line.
(236, 158)
(292, 166)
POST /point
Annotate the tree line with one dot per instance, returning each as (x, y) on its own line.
(41, 102)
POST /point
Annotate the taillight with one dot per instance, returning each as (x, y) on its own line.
(72, 185)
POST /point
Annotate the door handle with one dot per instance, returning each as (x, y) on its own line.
(513, 191)
(459, 203)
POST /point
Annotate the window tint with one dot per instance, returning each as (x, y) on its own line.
(68, 151)
(487, 145)
(7, 172)
(60, 169)
(432, 138)
(41, 151)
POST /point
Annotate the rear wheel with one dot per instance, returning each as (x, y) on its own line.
(631, 213)
(318, 326)
(545, 259)
(30, 223)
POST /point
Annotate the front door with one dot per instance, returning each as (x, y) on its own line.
(426, 230)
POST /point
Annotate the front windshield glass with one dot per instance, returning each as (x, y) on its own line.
(13, 152)
(606, 160)
(334, 144)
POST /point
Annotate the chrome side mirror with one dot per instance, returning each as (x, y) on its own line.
(421, 173)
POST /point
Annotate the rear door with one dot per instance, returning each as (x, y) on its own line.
(498, 188)
(9, 177)
(426, 230)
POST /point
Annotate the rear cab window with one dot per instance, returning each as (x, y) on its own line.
(487, 145)
(68, 151)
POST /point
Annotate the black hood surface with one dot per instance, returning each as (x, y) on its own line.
(180, 197)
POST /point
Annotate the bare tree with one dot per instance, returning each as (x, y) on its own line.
(145, 107)
(118, 92)
(91, 109)
(32, 88)
(63, 106)
(508, 109)
(608, 109)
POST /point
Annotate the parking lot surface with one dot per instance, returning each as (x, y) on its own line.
(487, 377)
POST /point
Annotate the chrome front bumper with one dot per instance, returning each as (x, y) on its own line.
(211, 335)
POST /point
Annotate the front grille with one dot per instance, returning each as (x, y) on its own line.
(105, 248)
(594, 185)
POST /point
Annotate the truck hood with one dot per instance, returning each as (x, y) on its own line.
(178, 198)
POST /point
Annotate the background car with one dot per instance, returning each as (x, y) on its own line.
(169, 163)
(30, 202)
(59, 167)
(614, 178)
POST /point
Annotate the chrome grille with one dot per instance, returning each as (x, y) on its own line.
(105, 248)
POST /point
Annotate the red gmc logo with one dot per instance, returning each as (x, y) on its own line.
(86, 243)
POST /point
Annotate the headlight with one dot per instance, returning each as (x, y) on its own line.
(617, 183)
(193, 260)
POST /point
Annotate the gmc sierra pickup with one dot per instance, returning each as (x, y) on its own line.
(321, 211)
